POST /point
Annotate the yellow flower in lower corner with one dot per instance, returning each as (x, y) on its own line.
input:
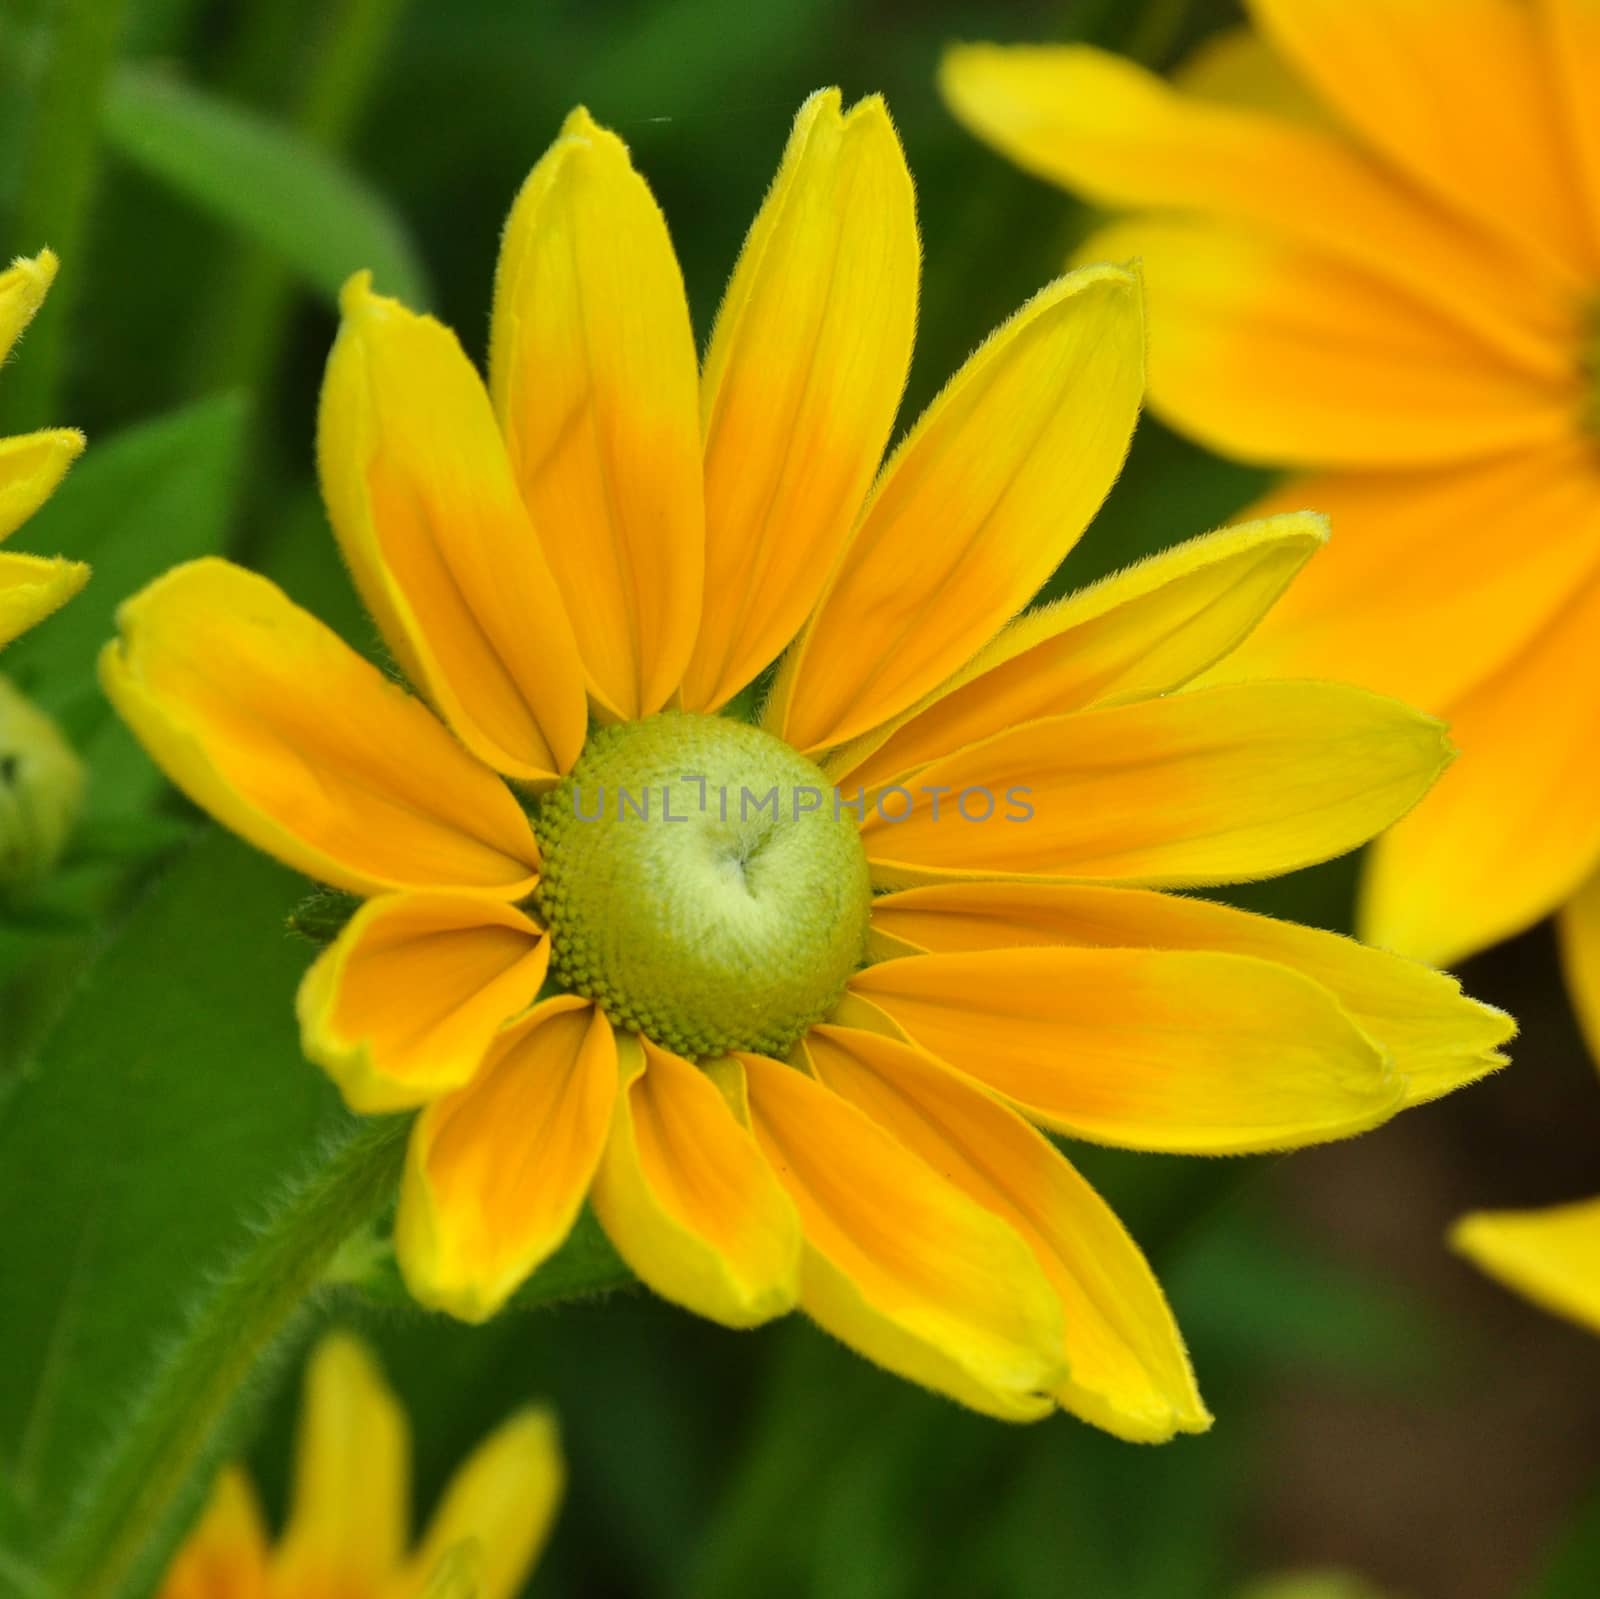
(788, 1004)
(348, 1532)
(31, 465)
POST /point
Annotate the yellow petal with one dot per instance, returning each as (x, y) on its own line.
(402, 1006)
(1549, 1256)
(1239, 68)
(23, 286)
(428, 517)
(1193, 1053)
(899, 1264)
(592, 367)
(499, 1507)
(1127, 1368)
(1579, 928)
(497, 1171)
(1572, 37)
(803, 378)
(1438, 1038)
(225, 1555)
(349, 1515)
(1138, 633)
(974, 510)
(31, 587)
(1214, 785)
(265, 718)
(31, 465)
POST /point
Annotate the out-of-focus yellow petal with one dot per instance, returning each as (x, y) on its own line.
(1238, 68)
(225, 1555)
(23, 286)
(1127, 1368)
(1579, 928)
(688, 1198)
(402, 1006)
(498, 1508)
(803, 378)
(1214, 785)
(1513, 830)
(1458, 97)
(1571, 30)
(976, 508)
(1193, 1053)
(497, 1171)
(31, 587)
(900, 1264)
(31, 465)
(265, 718)
(1138, 633)
(1271, 352)
(1433, 578)
(350, 1503)
(1439, 1039)
(593, 372)
(428, 517)
(1549, 1256)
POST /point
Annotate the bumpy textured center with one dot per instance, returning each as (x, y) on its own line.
(703, 883)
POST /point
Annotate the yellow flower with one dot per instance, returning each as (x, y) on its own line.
(348, 1534)
(31, 465)
(1372, 237)
(777, 1082)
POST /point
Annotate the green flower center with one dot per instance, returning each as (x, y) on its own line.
(702, 883)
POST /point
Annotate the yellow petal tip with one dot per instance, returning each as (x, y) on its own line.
(356, 296)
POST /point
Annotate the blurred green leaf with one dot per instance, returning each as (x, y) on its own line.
(1573, 1571)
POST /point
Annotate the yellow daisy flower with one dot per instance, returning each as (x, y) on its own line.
(31, 465)
(704, 904)
(1372, 237)
(348, 1534)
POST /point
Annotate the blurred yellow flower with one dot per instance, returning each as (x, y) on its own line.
(795, 1055)
(348, 1534)
(31, 465)
(1372, 237)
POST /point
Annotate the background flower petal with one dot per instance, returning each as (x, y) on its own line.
(1551, 1256)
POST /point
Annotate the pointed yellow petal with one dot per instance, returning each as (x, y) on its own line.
(265, 718)
(31, 465)
(803, 378)
(899, 1264)
(499, 1507)
(496, 1172)
(592, 367)
(1191, 1053)
(976, 508)
(1579, 929)
(402, 1006)
(349, 1515)
(688, 1198)
(1549, 1256)
(23, 286)
(31, 587)
(428, 517)
(1136, 634)
(1438, 1038)
(1127, 1368)
(225, 1555)
(1213, 785)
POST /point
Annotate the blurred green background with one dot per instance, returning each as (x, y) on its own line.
(209, 172)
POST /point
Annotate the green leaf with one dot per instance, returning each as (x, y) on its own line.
(263, 180)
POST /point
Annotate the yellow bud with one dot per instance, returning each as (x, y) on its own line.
(41, 790)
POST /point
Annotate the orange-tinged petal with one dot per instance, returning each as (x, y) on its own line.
(430, 522)
(688, 1198)
(23, 286)
(1193, 1053)
(1214, 785)
(975, 509)
(802, 381)
(1579, 929)
(1438, 1038)
(350, 1503)
(225, 1555)
(1287, 356)
(498, 1508)
(1127, 1368)
(900, 1264)
(402, 1006)
(265, 718)
(1549, 1256)
(593, 372)
(1512, 831)
(497, 1171)
(31, 587)
(1571, 30)
(31, 465)
(1138, 633)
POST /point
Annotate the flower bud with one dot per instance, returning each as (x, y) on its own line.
(41, 790)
